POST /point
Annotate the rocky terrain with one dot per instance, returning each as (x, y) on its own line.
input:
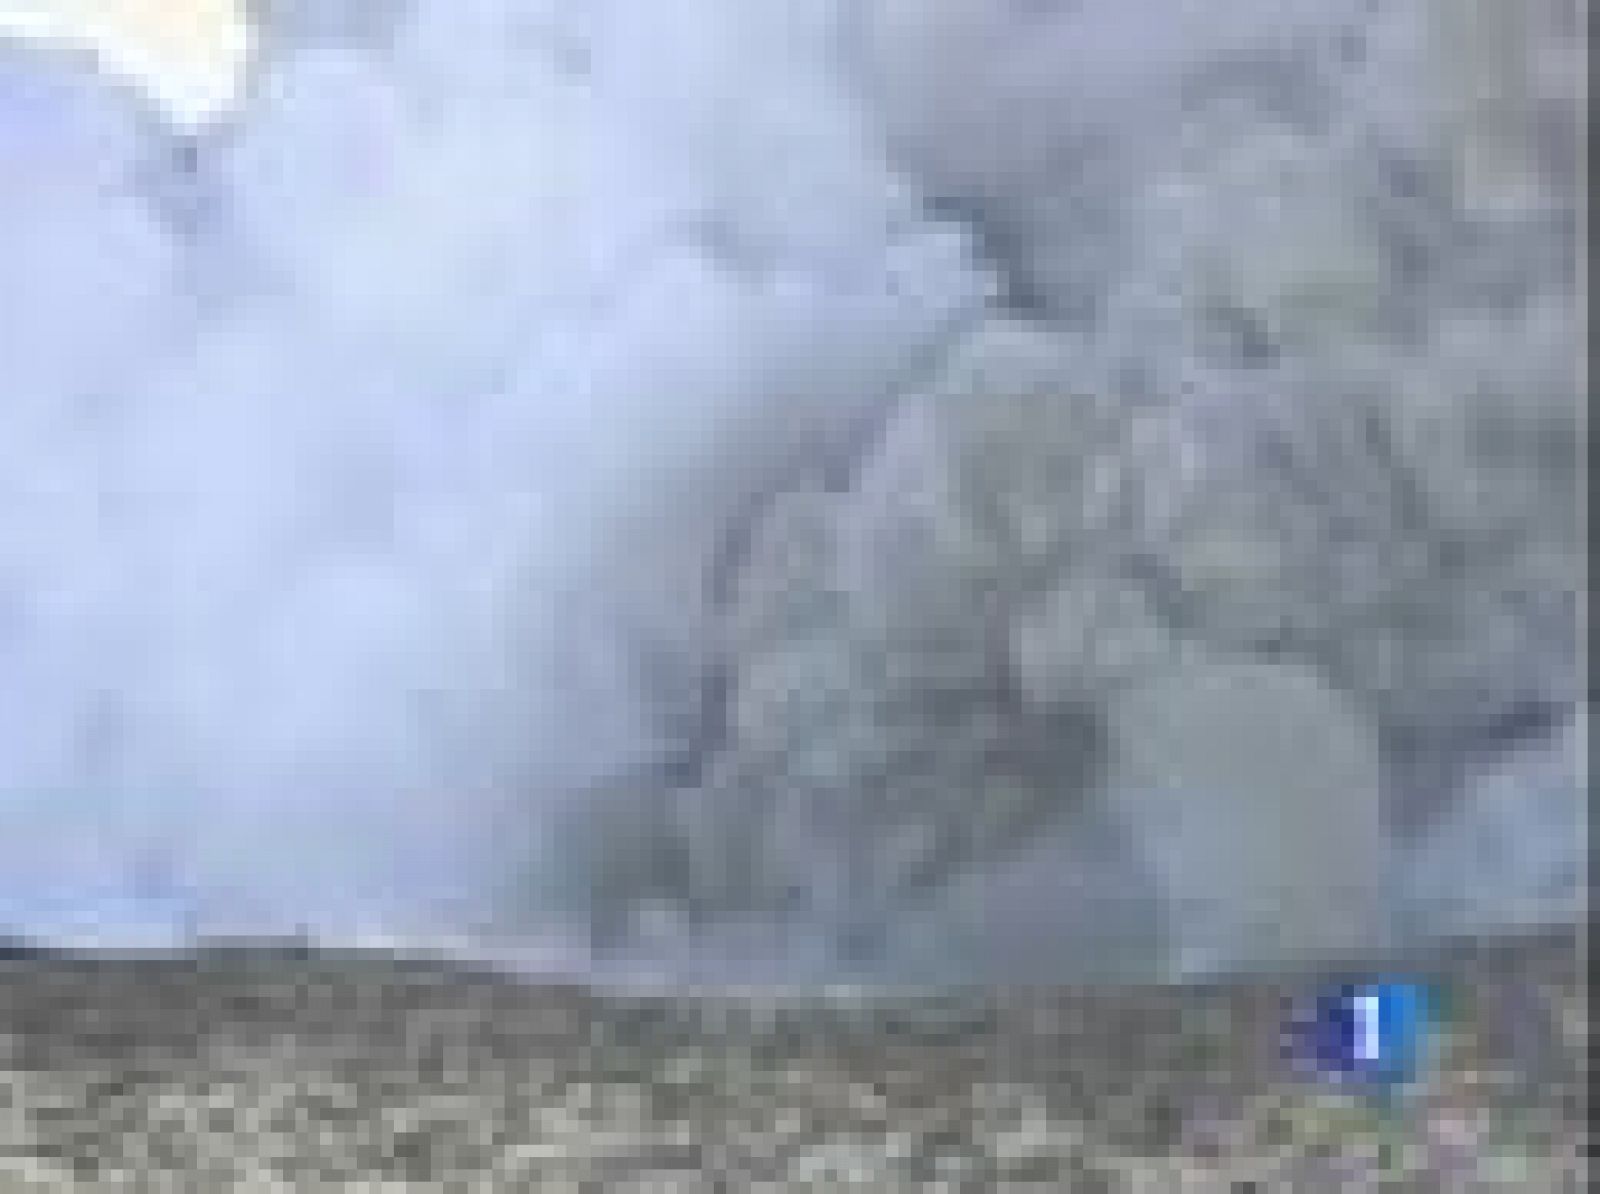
(274, 1068)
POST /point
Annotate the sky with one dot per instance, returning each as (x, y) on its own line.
(189, 57)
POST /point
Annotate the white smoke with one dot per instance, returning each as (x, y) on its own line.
(297, 604)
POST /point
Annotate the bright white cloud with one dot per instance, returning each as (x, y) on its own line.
(188, 57)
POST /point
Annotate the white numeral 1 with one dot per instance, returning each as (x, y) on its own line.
(1369, 1046)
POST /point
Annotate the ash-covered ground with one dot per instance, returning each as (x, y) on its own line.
(256, 1068)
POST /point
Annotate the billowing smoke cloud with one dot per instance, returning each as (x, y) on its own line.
(303, 586)
(353, 457)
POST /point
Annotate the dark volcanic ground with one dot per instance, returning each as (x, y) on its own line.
(275, 1068)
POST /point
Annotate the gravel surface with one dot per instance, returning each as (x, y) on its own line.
(274, 1068)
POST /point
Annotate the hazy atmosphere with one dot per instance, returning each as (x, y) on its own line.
(772, 488)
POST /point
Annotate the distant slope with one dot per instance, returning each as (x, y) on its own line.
(239, 1069)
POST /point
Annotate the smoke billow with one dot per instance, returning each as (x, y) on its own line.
(402, 482)
(316, 459)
